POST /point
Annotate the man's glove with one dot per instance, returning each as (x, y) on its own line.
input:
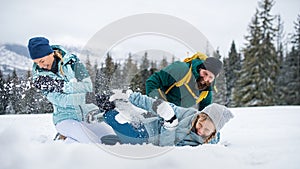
(165, 111)
(46, 83)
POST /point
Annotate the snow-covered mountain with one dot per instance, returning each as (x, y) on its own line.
(13, 57)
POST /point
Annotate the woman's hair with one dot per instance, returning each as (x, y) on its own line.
(58, 54)
(203, 116)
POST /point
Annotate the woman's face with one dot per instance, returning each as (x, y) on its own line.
(45, 62)
(204, 127)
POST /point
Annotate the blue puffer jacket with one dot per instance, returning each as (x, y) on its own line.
(182, 135)
(69, 104)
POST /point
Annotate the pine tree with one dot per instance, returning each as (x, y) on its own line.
(14, 94)
(95, 70)
(232, 66)
(296, 35)
(145, 62)
(102, 82)
(3, 94)
(28, 102)
(90, 69)
(117, 79)
(247, 84)
(280, 80)
(163, 63)
(220, 85)
(104, 75)
(129, 70)
(173, 59)
(268, 56)
(153, 64)
(109, 67)
(292, 69)
(8, 109)
(292, 85)
(256, 85)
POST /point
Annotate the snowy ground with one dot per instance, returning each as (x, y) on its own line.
(260, 137)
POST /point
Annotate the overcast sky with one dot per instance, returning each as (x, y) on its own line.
(72, 21)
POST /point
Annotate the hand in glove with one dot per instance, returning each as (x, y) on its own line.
(95, 116)
(164, 110)
(46, 83)
(133, 96)
(102, 101)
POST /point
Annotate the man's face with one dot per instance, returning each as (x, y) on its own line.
(45, 62)
(205, 79)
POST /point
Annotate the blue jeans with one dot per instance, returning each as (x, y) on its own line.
(127, 133)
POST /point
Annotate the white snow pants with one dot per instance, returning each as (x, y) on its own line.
(83, 132)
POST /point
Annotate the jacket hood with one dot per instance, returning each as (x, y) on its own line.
(65, 54)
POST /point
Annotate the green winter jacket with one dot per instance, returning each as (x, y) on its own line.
(71, 103)
(180, 96)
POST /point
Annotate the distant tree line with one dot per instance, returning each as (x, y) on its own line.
(265, 72)
(128, 75)
(18, 96)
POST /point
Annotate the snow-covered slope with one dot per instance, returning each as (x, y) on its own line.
(260, 137)
(10, 60)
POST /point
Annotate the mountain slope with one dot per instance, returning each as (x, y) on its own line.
(10, 60)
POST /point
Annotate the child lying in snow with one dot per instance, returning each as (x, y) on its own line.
(171, 124)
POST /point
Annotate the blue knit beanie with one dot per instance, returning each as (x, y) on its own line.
(39, 47)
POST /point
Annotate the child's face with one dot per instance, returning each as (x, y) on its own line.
(204, 128)
(45, 62)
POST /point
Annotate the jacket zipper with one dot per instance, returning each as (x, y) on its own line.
(81, 113)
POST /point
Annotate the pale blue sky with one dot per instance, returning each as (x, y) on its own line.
(72, 21)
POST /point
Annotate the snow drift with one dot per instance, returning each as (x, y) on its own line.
(258, 137)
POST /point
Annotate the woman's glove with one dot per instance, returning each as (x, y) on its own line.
(46, 83)
(165, 111)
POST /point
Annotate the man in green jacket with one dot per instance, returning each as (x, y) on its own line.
(186, 83)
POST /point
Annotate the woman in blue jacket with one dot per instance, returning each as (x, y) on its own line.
(170, 125)
(65, 82)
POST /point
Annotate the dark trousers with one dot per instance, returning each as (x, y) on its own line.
(127, 133)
